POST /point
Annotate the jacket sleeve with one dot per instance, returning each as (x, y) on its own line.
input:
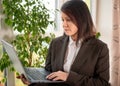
(101, 76)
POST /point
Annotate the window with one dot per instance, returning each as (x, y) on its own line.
(88, 2)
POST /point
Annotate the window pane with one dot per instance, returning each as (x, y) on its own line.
(88, 3)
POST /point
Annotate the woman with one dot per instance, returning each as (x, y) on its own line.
(77, 57)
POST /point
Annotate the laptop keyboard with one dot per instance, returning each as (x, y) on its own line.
(35, 74)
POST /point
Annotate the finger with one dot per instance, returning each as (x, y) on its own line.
(23, 78)
(50, 75)
(56, 79)
(25, 81)
(22, 75)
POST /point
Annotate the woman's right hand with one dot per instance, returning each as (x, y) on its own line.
(23, 79)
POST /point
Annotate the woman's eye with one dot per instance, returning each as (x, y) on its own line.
(62, 19)
(68, 19)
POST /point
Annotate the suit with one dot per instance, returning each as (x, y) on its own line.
(90, 67)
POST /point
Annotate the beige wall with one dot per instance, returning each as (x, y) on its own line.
(104, 18)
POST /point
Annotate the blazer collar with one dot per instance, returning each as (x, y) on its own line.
(63, 51)
(80, 58)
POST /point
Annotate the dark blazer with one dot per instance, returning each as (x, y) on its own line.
(90, 68)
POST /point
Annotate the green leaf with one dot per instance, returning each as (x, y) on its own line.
(97, 35)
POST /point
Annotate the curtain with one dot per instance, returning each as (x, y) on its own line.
(115, 60)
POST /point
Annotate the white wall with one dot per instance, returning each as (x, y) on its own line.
(104, 23)
(104, 20)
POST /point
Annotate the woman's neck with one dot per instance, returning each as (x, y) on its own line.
(74, 37)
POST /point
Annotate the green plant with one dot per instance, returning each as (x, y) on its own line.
(31, 19)
(98, 35)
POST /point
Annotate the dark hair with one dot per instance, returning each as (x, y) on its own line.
(79, 13)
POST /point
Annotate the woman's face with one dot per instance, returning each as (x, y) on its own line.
(70, 28)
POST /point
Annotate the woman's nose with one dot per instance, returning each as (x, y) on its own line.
(65, 23)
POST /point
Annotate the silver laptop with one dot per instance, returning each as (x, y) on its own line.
(33, 75)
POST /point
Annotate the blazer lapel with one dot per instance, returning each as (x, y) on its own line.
(80, 57)
(63, 51)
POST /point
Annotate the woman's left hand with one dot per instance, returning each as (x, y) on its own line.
(59, 75)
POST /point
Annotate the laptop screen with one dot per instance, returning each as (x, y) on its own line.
(13, 57)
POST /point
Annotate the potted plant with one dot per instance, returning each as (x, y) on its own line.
(30, 18)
